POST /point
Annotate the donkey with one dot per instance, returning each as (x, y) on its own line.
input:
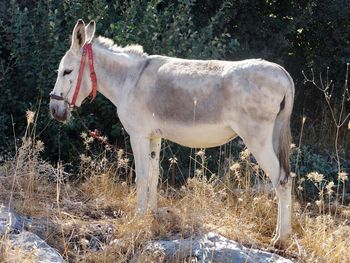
(195, 103)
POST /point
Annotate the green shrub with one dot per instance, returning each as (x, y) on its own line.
(35, 34)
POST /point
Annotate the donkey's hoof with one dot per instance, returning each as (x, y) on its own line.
(140, 212)
(278, 242)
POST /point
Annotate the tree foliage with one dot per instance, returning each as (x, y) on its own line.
(35, 34)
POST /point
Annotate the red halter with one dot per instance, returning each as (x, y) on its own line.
(87, 49)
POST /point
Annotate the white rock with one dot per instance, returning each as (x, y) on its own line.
(30, 243)
(10, 221)
(13, 228)
(212, 247)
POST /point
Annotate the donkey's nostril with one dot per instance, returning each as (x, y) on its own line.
(53, 110)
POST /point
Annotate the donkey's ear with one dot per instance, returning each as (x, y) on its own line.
(78, 37)
(90, 31)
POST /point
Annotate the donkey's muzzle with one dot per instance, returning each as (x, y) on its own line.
(58, 113)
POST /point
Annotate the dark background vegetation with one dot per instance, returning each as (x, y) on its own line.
(300, 35)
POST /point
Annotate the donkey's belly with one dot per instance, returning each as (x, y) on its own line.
(198, 136)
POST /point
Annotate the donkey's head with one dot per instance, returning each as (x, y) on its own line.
(68, 72)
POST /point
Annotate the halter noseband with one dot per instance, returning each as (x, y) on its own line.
(87, 49)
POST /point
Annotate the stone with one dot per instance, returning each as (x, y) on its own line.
(10, 221)
(39, 250)
(25, 244)
(210, 247)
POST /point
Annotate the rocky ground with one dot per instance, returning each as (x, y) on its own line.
(25, 234)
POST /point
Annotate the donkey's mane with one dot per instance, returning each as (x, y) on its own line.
(109, 44)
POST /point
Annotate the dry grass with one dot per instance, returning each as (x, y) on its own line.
(10, 254)
(96, 222)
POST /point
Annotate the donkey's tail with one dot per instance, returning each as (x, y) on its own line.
(282, 131)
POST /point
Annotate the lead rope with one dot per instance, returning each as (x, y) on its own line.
(95, 134)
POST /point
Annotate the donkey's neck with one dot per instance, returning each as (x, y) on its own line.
(113, 71)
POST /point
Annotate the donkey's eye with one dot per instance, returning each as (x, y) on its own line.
(67, 72)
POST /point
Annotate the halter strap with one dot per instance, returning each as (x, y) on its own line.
(87, 49)
(92, 72)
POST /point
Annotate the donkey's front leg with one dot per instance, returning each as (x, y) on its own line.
(141, 149)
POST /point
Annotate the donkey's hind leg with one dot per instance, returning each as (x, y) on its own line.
(154, 172)
(284, 194)
(261, 146)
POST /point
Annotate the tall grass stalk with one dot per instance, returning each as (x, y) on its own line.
(299, 147)
(338, 114)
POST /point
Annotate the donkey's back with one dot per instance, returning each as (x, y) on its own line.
(205, 92)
